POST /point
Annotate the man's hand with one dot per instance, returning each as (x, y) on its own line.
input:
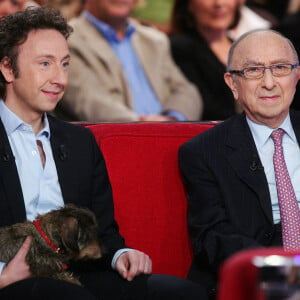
(133, 263)
(17, 269)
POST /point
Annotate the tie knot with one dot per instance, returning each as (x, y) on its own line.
(277, 135)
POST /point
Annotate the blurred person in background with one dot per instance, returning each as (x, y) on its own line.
(123, 71)
(201, 33)
(251, 20)
(200, 45)
(68, 8)
(10, 6)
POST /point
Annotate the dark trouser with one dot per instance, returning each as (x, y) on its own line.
(106, 285)
(44, 289)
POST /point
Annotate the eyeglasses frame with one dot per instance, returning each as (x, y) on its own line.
(242, 72)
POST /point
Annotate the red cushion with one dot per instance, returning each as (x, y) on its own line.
(149, 197)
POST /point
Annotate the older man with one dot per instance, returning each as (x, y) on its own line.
(234, 171)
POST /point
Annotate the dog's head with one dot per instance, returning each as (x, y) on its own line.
(74, 230)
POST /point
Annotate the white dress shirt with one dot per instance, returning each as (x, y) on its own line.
(265, 148)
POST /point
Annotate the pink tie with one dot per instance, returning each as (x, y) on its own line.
(288, 205)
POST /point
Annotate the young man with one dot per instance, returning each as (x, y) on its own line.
(234, 202)
(123, 71)
(46, 162)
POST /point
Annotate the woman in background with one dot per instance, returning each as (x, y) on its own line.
(200, 45)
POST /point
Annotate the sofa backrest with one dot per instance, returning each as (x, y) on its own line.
(149, 196)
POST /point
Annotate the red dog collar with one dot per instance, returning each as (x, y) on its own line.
(37, 224)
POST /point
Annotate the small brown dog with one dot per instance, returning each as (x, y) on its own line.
(61, 235)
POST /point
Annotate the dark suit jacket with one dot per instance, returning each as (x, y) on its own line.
(200, 65)
(228, 195)
(82, 176)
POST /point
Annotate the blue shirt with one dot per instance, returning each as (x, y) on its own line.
(145, 101)
(40, 186)
(265, 148)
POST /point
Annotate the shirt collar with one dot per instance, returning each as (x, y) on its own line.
(261, 133)
(12, 122)
(107, 31)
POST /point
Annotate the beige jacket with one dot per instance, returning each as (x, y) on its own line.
(98, 90)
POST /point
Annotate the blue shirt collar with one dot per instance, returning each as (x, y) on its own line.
(106, 30)
(261, 133)
(12, 122)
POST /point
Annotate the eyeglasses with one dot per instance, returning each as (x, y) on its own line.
(258, 72)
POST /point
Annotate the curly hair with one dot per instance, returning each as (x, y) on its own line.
(14, 30)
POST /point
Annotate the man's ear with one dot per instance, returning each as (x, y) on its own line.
(6, 69)
(232, 85)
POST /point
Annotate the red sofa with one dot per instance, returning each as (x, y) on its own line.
(149, 197)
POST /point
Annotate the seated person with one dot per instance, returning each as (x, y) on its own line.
(123, 71)
(233, 172)
(34, 61)
(200, 46)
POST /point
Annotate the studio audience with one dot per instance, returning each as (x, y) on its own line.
(123, 71)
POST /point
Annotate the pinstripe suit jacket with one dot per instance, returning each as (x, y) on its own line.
(228, 195)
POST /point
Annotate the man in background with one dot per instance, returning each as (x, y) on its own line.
(123, 71)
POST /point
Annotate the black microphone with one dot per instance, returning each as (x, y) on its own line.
(6, 156)
(62, 152)
(255, 164)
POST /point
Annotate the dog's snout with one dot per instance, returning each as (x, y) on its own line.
(91, 251)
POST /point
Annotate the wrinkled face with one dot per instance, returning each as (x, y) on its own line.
(265, 100)
(107, 10)
(214, 14)
(42, 77)
(10, 6)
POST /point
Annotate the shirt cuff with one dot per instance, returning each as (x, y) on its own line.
(2, 266)
(174, 114)
(117, 255)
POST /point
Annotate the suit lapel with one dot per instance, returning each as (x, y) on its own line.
(295, 119)
(9, 179)
(99, 47)
(145, 52)
(244, 159)
(65, 166)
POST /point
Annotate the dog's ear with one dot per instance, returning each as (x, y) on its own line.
(70, 235)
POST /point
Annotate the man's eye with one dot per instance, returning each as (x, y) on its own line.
(254, 69)
(44, 63)
(66, 64)
(280, 67)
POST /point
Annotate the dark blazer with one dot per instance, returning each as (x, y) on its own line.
(200, 65)
(228, 195)
(82, 176)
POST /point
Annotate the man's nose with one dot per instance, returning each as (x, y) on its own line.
(268, 79)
